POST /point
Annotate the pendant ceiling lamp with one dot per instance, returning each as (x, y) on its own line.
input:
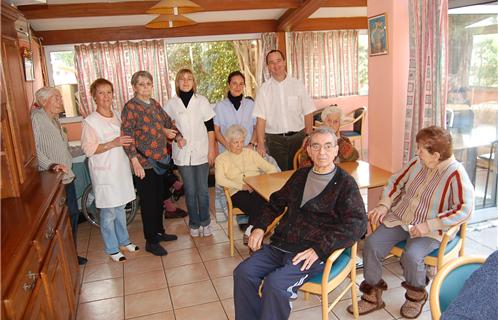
(174, 7)
(169, 21)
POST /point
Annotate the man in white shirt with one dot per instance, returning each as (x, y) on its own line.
(284, 113)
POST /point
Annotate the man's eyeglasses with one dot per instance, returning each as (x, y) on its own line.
(317, 147)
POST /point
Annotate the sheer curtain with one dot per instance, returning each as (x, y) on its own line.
(427, 76)
(327, 61)
(117, 62)
(268, 43)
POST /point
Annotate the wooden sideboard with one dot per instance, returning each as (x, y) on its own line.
(40, 273)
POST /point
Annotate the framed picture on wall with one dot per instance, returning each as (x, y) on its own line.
(377, 35)
(27, 58)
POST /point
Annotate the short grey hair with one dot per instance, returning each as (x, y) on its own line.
(43, 94)
(235, 131)
(332, 110)
(323, 130)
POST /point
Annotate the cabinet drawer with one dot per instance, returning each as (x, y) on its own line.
(59, 200)
(46, 233)
(19, 293)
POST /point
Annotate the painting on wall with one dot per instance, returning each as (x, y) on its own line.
(377, 35)
(29, 70)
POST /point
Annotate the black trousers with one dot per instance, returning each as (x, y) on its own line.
(251, 203)
(283, 148)
(151, 190)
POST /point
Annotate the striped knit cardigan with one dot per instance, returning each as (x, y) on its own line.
(442, 196)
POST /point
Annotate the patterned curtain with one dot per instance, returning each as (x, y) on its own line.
(427, 76)
(117, 62)
(327, 61)
(268, 42)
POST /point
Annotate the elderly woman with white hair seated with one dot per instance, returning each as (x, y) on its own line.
(332, 117)
(236, 163)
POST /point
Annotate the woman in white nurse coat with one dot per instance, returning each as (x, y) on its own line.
(110, 171)
(195, 152)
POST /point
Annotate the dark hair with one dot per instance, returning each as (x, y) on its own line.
(273, 51)
(235, 73)
(141, 73)
(436, 139)
(97, 83)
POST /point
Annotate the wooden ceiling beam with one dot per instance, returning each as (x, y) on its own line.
(345, 3)
(139, 7)
(140, 32)
(295, 16)
(332, 24)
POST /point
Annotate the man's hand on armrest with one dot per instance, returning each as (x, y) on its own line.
(256, 239)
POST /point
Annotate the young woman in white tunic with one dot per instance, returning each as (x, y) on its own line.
(194, 153)
(110, 171)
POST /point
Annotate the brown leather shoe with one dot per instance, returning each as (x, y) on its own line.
(178, 213)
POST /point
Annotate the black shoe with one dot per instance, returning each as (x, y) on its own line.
(155, 248)
(178, 213)
(166, 237)
(82, 260)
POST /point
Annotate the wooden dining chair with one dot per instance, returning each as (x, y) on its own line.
(232, 211)
(357, 116)
(449, 282)
(340, 265)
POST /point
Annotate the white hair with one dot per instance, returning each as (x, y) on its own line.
(235, 131)
(332, 110)
(43, 94)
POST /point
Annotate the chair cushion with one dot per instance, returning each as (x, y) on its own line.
(434, 253)
(337, 267)
(350, 133)
(453, 283)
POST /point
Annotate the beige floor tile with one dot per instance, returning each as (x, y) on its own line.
(392, 280)
(97, 257)
(224, 287)
(300, 303)
(241, 247)
(217, 237)
(340, 312)
(103, 271)
(102, 289)
(395, 298)
(208, 311)
(229, 308)
(183, 242)
(310, 313)
(186, 274)
(147, 281)
(146, 303)
(215, 251)
(177, 228)
(335, 293)
(222, 267)
(192, 294)
(181, 258)
(144, 264)
(109, 309)
(168, 315)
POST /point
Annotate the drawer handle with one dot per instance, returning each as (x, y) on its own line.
(62, 202)
(28, 286)
(49, 234)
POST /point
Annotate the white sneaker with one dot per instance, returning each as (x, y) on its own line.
(118, 256)
(195, 232)
(132, 247)
(207, 231)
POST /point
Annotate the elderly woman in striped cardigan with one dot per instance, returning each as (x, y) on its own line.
(428, 196)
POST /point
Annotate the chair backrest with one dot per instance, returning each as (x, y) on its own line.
(301, 159)
(358, 114)
(449, 282)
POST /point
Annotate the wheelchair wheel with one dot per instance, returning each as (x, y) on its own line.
(92, 213)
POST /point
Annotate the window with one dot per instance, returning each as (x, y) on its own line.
(363, 63)
(62, 75)
(472, 109)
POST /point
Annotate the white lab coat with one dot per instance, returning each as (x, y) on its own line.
(190, 123)
(110, 171)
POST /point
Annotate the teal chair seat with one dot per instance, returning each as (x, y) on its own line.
(454, 282)
(339, 264)
(452, 244)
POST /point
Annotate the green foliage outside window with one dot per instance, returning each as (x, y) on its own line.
(211, 63)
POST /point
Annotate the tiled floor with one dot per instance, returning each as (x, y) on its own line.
(194, 281)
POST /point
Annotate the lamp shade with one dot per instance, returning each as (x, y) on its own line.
(169, 21)
(175, 7)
